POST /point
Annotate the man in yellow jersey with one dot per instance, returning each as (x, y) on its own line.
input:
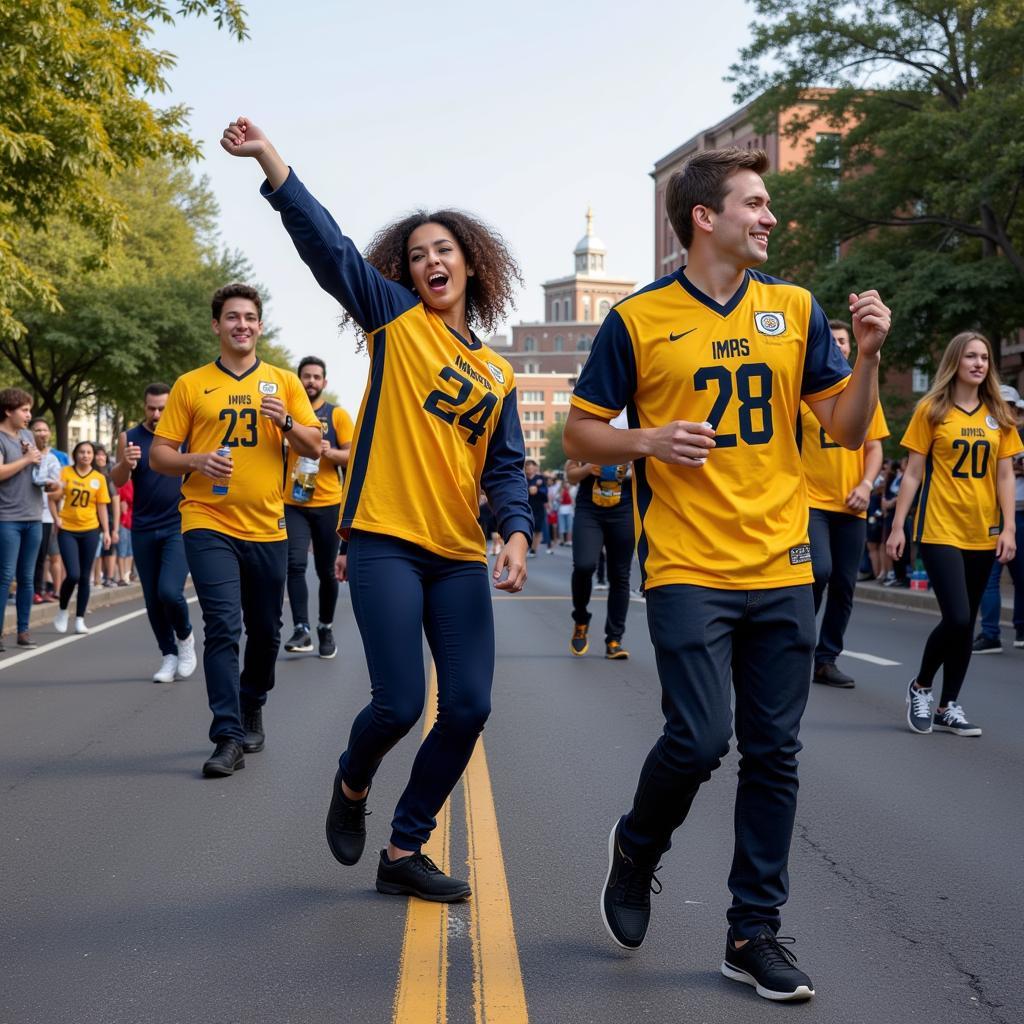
(710, 364)
(839, 485)
(312, 513)
(232, 511)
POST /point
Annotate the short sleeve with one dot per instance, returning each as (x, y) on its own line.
(103, 492)
(1009, 443)
(919, 433)
(824, 364)
(878, 428)
(176, 421)
(343, 426)
(608, 380)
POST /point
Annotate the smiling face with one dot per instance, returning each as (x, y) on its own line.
(83, 456)
(739, 233)
(974, 363)
(238, 328)
(437, 266)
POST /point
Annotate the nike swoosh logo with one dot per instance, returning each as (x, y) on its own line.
(676, 337)
(208, 391)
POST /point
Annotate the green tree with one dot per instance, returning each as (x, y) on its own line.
(554, 454)
(921, 180)
(76, 77)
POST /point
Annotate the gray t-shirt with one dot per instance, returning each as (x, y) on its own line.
(19, 495)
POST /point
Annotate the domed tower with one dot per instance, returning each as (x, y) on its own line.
(590, 251)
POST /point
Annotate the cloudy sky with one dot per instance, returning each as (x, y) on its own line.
(522, 113)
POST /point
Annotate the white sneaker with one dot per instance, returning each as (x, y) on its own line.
(165, 673)
(60, 620)
(80, 626)
(187, 655)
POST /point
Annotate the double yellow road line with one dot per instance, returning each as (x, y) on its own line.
(498, 995)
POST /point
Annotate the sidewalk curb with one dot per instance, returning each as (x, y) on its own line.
(915, 600)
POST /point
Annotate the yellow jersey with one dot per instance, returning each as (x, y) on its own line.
(669, 352)
(958, 503)
(82, 495)
(210, 408)
(338, 429)
(438, 419)
(832, 471)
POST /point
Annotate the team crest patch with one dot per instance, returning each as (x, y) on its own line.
(772, 324)
(94, 484)
(496, 373)
(992, 423)
(268, 387)
(800, 554)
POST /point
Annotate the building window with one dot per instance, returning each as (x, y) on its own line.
(560, 398)
(533, 396)
(529, 345)
(568, 310)
(583, 344)
(602, 310)
(920, 380)
(586, 307)
(559, 343)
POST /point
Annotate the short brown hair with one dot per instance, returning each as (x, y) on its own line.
(156, 388)
(841, 325)
(235, 290)
(13, 398)
(702, 182)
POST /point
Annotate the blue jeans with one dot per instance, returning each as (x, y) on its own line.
(19, 545)
(990, 600)
(160, 561)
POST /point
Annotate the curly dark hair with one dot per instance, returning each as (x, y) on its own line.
(489, 292)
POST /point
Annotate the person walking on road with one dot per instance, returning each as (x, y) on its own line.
(235, 414)
(84, 524)
(157, 544)
(721, 527)
(604, 520)
(438, 422)
(311, 516)
(962, 439)
(48, 470)
(839, 486)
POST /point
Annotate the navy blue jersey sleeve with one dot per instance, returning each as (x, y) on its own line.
(608, 379)
(368, 296)
(502, 479)
(824, 363)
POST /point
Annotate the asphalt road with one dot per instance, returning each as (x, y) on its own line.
(135, 891)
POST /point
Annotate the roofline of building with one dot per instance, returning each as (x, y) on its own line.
(557, 323)
(588, 279)
(690, 143)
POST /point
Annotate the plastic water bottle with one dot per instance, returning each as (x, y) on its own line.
(304, 478)
(221, 486)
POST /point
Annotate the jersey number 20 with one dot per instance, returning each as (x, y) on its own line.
(444, 406)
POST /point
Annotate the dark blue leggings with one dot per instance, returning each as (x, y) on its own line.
(399, 592)
(78, 550)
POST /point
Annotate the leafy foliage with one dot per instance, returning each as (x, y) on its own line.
(554, 454)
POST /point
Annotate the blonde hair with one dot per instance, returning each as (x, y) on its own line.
(939, 398)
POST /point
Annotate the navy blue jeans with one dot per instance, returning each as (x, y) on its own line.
(319, 527)
(237, 581)
(837, 544)
(991, 603)
(707, 643)
(611, 530)
(19, 545)
(399, 591)
(160, 561)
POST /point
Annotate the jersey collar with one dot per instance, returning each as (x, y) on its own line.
(969, 412)
(706, 300)
(236, 376)
(473, 344)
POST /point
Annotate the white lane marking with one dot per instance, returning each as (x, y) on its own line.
(17, 659)
(873, 658)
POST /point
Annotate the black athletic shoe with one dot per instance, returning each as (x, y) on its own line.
(828, 675)
(626, 897)
(579, 644)
(769, 966)
(417, 875)
(955, 721)
(1018, 637)
(346, 825)
(987, 645)
(328, 648)
(255, 737)
(227, 758)
(919, 709)
(299, 641)
(613, 650)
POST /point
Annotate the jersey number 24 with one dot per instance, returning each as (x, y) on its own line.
(446, 407)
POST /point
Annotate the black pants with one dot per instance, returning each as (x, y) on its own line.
(594, 528)
(160, 561)
(319, 526)
(707, 643)
(958, 578)
(44, 553)
(837, 544)
(237, 581)
(78, 550)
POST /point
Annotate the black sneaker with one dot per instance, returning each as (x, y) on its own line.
(328, 648)
(579, 644)
(626, 896)
(299, 641)
(919, 709)
(417, 875)
(955, 721)
(828, 675)
(226, 759)
(987, 645)
(1018, 638)
(346, 825)
(769, 966)
(613, 650)
(255, 737)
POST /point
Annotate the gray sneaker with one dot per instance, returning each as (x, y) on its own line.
(919, 709)
(955, 721)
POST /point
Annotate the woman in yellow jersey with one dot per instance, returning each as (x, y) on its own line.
(437, 423)
(962, 439)
(84, 523)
